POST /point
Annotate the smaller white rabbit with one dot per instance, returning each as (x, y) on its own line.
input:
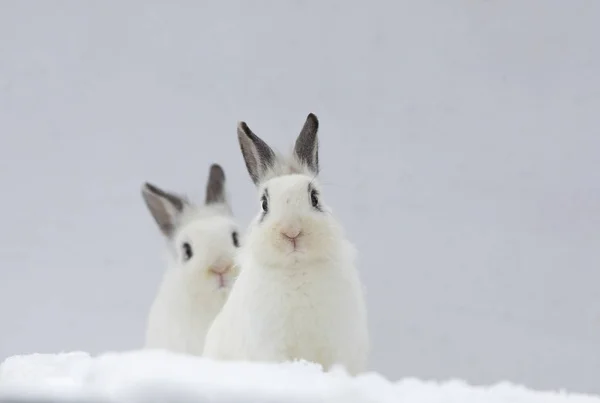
(202, 241)
(298, 295)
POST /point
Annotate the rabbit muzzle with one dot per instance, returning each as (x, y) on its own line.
(291, 233)
(221, 270)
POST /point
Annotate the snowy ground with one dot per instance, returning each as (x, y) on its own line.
(156, 376)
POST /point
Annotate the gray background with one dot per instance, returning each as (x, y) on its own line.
(459, 146)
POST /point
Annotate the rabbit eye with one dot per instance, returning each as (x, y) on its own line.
(314, 198)
(264, 204)
(187, 251)
(234, 238)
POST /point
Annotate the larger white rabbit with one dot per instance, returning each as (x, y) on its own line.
(298, 295)
(202, 241)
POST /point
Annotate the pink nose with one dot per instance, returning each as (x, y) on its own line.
(291, 233)
(219, 269)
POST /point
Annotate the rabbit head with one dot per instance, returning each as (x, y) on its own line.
(294, 225)
(202, 239)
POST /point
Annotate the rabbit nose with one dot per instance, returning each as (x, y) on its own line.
(220, 268)
(291, 232)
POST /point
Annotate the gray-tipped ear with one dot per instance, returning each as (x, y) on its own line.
(257, 154)
(165, 207)
(307, 144)
(215, 188)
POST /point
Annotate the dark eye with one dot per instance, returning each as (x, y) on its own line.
(264, 204)
(314, 198)
(234, 238)
(187, 251)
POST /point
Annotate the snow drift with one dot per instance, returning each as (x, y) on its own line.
(158, 376)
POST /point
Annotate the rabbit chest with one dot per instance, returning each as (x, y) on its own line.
(304, 314)
(181, 313)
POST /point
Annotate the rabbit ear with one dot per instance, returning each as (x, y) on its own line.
(165, 207)
(307, 144)
(257, 154)
(215, 188)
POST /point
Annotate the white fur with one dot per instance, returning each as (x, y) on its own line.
(286, 305)
(190, 295)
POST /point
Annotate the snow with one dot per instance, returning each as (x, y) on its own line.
(459, 146)
(147, 376)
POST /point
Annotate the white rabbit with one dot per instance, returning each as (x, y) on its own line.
(202, 241)
(298, 295)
